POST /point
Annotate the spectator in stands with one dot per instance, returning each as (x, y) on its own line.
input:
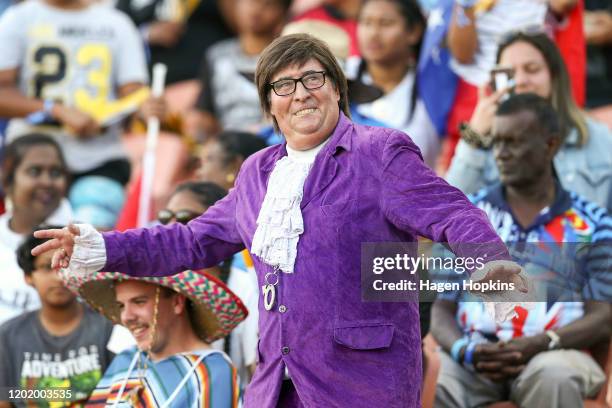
(222, 156)
(598, 34)
(537, 358)
(228, 97)
(63, 345)
(179, 33)
(473, 35)
(390, 34)
(65, 63)
(34, 175)
(190, 200)
(583, 164)
(173, 320)
(341, 13)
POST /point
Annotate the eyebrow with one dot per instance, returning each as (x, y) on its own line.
(134, 299)
(310, 71)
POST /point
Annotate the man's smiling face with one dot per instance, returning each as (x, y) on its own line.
(306, 117)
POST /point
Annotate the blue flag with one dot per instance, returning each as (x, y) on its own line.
(437, 82)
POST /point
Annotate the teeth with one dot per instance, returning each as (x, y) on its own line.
(305, 112)
(138, 330)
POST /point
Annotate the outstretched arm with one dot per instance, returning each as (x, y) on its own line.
(157, 251)
(415, 199)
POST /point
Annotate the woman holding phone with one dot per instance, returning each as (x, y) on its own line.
(583, 163)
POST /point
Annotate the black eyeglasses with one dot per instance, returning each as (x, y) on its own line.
(182, 216)
(311, 80)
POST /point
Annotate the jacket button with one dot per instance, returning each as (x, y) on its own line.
(282, 308)
(285, 350)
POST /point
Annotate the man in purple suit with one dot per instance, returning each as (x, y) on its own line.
(303, 208)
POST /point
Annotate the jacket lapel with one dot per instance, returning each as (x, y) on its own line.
(323, 172)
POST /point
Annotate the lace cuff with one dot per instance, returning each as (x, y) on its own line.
(89, 255)
(500, 305)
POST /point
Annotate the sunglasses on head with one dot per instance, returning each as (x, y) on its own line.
(182, 216)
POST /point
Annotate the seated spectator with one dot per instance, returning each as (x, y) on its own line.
(65, 63)
(583, 164)
(190, 200)
(537, 358)
(598, 35)
(61, 345)
(221, 157)
(174, 320)
(228, 98)
(34, 176)
(390, 33)
(178, 34)
(473, 35)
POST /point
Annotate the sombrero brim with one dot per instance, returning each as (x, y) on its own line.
(215, 311)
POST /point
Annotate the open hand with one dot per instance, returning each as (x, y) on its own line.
(504, 272)
(61, 241)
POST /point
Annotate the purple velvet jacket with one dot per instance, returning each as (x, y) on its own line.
(367, 184)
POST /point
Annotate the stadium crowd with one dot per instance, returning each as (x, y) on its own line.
(510, 101)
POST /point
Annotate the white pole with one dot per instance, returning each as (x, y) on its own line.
(148, 162)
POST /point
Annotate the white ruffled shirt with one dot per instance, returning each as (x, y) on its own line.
(280, 222)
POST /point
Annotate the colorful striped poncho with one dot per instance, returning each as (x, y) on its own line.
(203, 378)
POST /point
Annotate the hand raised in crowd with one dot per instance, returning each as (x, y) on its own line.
(598, 27)
(61, 240)
(482, 118)
(497, 361)
(165, 33)
(154, 107)
(80, 123)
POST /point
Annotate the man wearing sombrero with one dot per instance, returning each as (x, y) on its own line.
(173, 319)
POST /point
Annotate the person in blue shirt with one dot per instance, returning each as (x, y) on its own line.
(537, 358)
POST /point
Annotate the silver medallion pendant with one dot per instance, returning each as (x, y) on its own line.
(269, 296)
(269, 289)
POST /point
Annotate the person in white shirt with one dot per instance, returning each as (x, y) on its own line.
(34, 177)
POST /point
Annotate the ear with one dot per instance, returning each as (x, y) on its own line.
(179, 304)
(29, 280)
(415, 34)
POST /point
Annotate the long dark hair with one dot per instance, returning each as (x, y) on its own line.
(413, 18)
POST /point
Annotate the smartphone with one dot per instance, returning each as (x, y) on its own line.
(502, 78)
